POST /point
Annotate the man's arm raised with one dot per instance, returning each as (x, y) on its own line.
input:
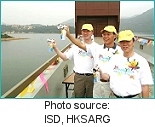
(59, 53)
(74, 40)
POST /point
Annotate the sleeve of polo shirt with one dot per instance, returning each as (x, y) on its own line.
(145, 74)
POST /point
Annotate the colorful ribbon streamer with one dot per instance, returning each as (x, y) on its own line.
(31, 87)
(149, 42)
(23, 93)
(44, 82)
(145, 41)
(28, 89)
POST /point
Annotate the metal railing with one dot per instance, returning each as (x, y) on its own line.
(19, 87)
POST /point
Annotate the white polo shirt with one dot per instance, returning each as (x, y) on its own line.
(127, 75)
(83, 61)
(104, 54)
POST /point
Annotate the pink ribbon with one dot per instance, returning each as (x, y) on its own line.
(44, 82)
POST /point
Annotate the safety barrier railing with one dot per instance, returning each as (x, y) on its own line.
(145, 47)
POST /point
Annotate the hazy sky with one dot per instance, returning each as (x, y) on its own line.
(54, 12)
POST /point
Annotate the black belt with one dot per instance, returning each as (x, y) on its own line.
(86, 74)
(102, 80)
(130, 96)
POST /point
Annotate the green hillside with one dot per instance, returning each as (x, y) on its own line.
(143, 23)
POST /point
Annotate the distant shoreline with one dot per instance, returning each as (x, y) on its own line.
(10, 39)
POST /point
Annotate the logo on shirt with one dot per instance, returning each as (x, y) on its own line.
(120, 71)
(104, 59)
(107, 56)
(84, 54)
(129, 70)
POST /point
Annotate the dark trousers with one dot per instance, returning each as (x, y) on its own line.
(83, 86)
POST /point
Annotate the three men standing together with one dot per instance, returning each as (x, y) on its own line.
(123, 72)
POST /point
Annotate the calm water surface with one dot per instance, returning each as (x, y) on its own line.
(22, 57)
